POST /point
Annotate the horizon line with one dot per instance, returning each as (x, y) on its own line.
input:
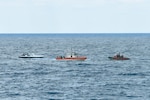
(74, 33)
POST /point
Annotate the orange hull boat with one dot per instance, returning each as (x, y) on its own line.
(71, 56)
(82, 58)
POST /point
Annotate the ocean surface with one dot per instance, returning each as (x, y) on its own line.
(96, 78)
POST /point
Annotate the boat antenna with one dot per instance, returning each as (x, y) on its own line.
(71, 49)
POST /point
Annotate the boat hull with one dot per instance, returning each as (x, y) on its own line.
(72, 58)
(31, 57)
(119, 58)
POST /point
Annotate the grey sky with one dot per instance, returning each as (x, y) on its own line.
(74, 16)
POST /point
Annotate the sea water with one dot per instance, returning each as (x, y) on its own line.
(96, 78)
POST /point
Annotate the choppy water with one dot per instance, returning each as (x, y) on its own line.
(97, 78)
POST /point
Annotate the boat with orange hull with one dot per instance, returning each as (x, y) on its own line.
(81, 58)
(71, 56)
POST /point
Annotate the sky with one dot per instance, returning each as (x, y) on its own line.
(74, 16)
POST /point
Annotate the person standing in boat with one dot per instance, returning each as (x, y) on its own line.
(121, 56)
(118, 55)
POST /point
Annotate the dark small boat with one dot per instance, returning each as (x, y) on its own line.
(119, 57)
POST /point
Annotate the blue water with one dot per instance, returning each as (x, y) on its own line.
(97, 78)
